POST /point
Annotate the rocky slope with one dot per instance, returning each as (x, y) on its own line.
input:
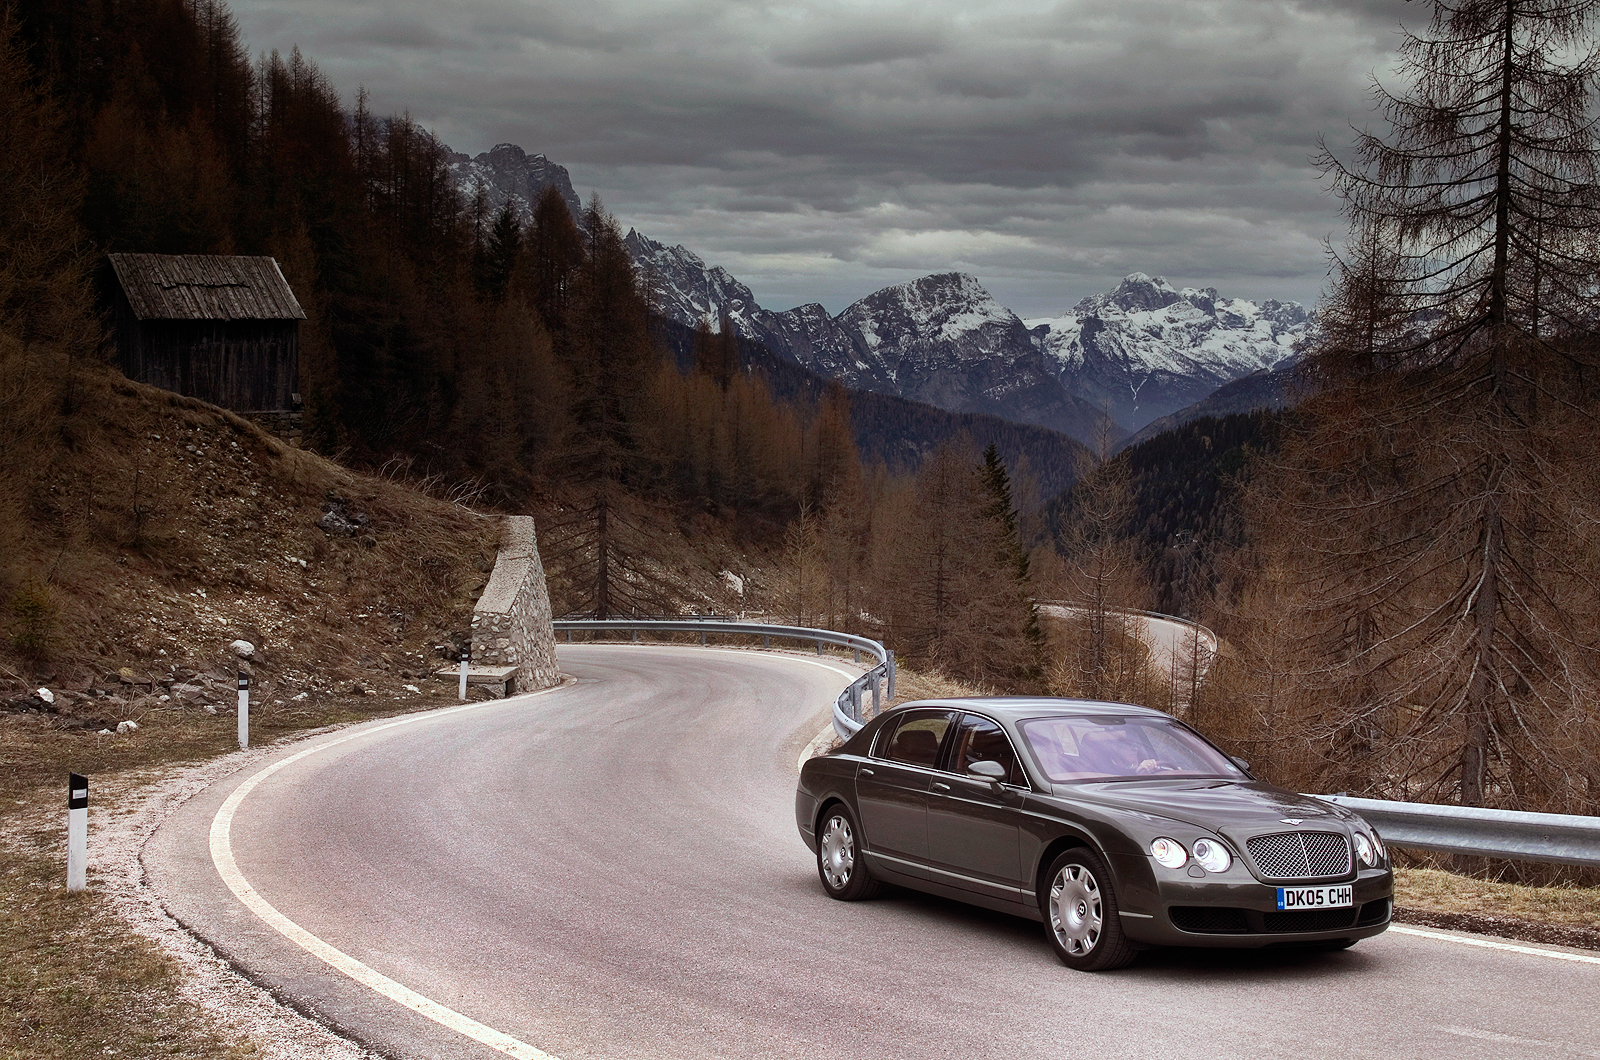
(507, 172)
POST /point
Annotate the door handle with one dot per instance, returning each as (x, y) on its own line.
(940, 785)
(865, 772)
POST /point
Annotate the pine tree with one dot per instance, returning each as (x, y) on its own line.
(1433, 505)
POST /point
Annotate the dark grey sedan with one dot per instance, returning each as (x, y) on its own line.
(1117, 826)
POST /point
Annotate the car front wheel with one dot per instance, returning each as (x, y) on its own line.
(844, 874)
(1080, 914)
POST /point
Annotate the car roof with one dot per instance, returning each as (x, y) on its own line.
(1017, 708)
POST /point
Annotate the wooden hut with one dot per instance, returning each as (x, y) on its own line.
(220, 328)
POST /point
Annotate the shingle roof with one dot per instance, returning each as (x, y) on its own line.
(205, 287)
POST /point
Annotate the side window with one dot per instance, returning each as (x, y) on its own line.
(916, 739)
(981, 740)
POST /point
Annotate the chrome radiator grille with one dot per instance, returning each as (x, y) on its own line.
(1301, 855)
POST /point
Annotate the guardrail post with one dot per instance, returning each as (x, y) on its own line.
(636, 636)
(702, 638)
(875, 707)
(891, 675)
(766, 642)
(858, 657)
(819, 647)
(77, 831)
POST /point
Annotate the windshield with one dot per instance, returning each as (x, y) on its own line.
(1070, 749)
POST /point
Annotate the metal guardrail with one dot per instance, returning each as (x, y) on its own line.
(847, 708)
(1562, 838)
(1546, 837)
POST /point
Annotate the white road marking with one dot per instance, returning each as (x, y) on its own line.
(228, 869)
(1490, 944)
(1512, 1039)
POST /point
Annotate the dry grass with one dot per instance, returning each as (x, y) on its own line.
(75, 981)
(1437, 891)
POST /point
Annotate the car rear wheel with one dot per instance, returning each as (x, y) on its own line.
(1080, 914)
(844, 874)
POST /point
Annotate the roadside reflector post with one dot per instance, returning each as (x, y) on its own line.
(77, 832)
(891, 674)
(244, 711)
(466, 657)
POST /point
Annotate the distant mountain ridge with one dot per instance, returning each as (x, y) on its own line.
(1100, 371)
(506, 172)
(1145, 349)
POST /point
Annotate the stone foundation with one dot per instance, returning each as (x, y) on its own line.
(511, 624)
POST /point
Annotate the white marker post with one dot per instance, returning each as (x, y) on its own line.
(244, 711)
(77, 832)
(466, 657)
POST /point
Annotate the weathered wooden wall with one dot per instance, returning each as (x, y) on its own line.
(242, 365)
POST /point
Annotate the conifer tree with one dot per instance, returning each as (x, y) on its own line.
(1431, 507)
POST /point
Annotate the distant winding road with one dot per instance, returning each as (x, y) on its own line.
(612, 870)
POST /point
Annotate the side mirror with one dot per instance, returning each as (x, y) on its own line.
(1241, 763)
(993, 772)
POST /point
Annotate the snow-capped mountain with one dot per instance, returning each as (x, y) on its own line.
(1139, 352)
(1146, 349)
(684, 288)
(942, 340)
(508, 172)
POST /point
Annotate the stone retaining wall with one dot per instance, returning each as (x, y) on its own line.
(511, 624)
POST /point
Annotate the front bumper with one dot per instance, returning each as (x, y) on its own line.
(1168, 907)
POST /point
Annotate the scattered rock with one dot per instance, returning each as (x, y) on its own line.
(126, 727)
(242, 648)
(209, 709)
(338, 518)
(45, 695)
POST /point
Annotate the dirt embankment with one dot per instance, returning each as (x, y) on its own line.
(164, 530)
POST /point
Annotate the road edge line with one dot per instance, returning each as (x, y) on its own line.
(222, 859)
(1492, 944)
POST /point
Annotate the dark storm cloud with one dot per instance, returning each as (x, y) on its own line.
(820, 150)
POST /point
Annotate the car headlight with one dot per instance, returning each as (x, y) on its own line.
(1212, 855)
(1168, 852)
(1369, 850)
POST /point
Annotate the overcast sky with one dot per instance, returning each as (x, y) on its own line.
(821, 150)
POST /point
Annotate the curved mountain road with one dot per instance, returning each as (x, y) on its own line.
(611, 869)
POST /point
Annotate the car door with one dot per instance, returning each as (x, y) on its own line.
(892, 789)
(974, 834)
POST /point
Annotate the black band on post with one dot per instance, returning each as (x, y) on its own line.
(77, 792)
(244, 680)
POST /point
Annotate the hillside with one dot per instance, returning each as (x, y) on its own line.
(154, 529)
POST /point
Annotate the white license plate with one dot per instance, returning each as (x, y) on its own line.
(1316, 897)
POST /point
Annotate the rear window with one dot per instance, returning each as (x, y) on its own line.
(915, 741)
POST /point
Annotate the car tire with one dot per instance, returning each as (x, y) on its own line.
(839, 863)
(1080, 913)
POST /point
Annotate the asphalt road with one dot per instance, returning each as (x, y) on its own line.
(612, 870)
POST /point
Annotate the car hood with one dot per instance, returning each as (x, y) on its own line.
(1242, 807)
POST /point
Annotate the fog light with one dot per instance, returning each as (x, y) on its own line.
(1168, 852)
(1212, 855)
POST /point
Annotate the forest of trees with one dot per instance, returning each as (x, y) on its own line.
(1401, 569)
(450, 343)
